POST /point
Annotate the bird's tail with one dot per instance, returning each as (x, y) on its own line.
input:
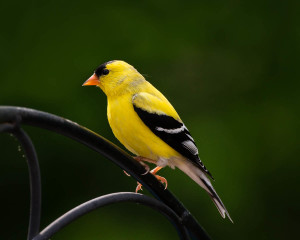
(200, 178)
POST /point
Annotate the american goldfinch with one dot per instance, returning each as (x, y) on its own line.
(145, 122)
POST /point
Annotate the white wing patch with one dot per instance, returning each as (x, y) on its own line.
(189, 145)
(190, 137)
(171, 131)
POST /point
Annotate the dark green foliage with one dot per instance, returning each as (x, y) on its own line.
(230, 70)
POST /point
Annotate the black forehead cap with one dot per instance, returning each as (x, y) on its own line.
(99, 69)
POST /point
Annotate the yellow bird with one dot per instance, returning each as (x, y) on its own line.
(145, 122)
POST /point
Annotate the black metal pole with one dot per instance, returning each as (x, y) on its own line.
(109, 150)
(95, 203)
(34, 176)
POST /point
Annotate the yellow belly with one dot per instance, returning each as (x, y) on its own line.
(129, 129)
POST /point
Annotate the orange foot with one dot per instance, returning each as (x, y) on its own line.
(161, 179)
(141, 161)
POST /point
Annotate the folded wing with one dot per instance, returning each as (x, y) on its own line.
(161, 118)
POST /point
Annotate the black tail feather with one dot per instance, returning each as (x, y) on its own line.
(216, 199)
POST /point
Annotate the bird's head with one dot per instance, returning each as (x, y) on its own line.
(114, 77)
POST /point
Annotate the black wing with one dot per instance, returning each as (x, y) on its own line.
(172, 132)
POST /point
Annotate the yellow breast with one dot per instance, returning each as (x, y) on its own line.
(129, 129)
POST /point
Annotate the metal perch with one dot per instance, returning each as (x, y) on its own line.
(11, 119)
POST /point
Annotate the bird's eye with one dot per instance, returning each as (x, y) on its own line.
(105, 71)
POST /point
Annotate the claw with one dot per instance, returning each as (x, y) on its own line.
(138, 187)
(127, 174)
(153, 171)
(140, 159)
(146, 167)
(162, 180)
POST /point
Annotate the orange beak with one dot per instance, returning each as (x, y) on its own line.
(92, 81)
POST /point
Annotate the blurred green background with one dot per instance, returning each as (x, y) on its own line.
(228, 67)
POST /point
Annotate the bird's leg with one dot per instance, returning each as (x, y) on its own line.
(142, 160)
(161, 179)
(155, 170)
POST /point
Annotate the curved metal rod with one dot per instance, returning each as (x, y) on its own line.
(108, 199)
(34, 176)
(109, 150)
